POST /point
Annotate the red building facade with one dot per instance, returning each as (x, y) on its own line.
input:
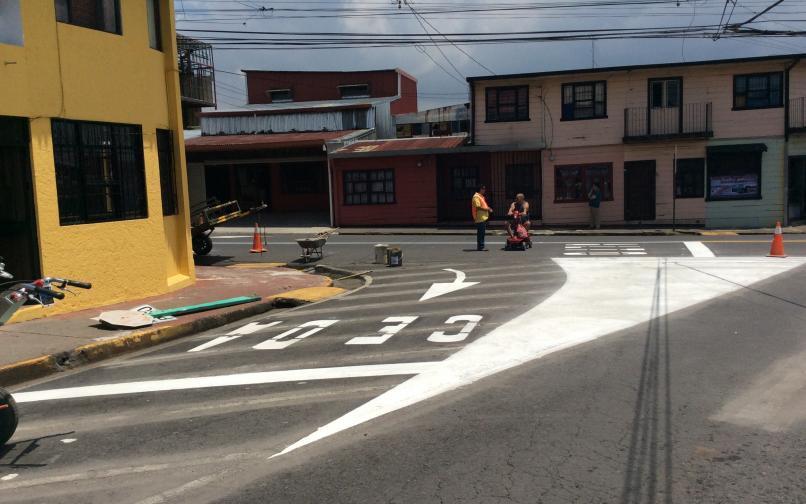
(269, 86)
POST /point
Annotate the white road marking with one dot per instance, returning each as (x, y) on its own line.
(69, 440)
(237, 333)
(9, 477)
(386, 331)
(604, 249)
(440, 289)
(201, 382)
(441, 337)
(698, 249)
(611, 294)
(276, 342)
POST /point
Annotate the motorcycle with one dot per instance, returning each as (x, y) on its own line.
(44, 292)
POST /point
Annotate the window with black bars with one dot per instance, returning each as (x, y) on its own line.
(165, 152)
(506, 104)
(369, 187)
(758, 90)
(100, 174)
(464, 182)
(584, 100)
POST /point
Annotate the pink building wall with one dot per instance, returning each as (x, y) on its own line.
(627, 89)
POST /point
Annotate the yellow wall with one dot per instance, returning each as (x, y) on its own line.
(66, 71)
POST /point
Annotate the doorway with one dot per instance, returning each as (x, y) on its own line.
(639, 190)
(18, 235)
(523, 178)
(797, 190)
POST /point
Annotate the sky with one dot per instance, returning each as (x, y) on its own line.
(442, 86)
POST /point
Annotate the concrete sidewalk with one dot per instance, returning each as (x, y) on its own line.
(39, 347)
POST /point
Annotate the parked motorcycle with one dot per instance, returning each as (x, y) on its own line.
(43, 291)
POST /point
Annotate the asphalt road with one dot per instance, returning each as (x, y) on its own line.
(602, 370)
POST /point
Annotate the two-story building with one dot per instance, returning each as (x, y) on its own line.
(91, 185)
(273, 149)
(709, 143)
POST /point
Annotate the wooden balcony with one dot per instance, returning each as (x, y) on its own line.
(691, 120)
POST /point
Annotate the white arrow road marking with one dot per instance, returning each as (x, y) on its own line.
(440, 289)
(250, 328)
(608, 295)
(294, 375)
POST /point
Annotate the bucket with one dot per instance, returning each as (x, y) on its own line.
(394, 257)
(380, 253)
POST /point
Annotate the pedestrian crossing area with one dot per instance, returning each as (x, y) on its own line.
(604, 249)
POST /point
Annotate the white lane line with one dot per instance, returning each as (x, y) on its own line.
(611, 294)
(69, 440)
(9, 477)
(699, 249)
(373, 370)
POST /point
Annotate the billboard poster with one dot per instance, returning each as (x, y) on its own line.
(734, 186)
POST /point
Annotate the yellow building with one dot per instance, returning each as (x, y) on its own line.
(92, 178)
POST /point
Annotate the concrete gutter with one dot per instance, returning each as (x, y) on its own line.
(45, 365)
(570, 232)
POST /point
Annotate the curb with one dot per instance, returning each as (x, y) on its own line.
(40, 367)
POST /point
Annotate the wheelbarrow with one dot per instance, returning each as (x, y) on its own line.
(312, 247)
(206, 216)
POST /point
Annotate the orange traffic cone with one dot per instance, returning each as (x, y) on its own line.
(257, 243)
(777, 248)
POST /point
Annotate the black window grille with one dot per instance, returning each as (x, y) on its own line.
(464, 182)
(584, 100)
(690, 178)
(758, 90)
(165, 153)
(505, 104)
(369, 187)
(101, 15)
(100, 175)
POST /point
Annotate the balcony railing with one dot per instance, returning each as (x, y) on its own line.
(196, 72)
(797, 114)
(691, 120)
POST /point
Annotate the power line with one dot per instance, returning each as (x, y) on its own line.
(482, 65)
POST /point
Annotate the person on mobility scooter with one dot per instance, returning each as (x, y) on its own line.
(518, 224)
(17, 294)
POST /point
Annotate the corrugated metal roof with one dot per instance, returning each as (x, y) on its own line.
(402, 145)
(296, 107)
(254, 142)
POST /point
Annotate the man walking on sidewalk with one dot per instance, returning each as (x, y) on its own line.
(594, 201)
(481, 213)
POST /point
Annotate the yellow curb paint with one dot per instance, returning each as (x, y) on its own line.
(309, 294)
(719, 233)
(44, 363)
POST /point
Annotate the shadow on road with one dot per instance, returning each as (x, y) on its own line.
(649, 461)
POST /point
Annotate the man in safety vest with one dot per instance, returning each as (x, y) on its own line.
(481, 213)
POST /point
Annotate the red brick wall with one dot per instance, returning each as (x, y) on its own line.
(415, 192)
(408, 96)
(313, 86)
